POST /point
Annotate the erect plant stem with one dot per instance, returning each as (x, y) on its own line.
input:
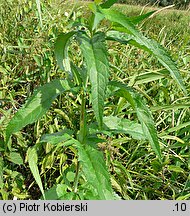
(82, 132)
(82, 135)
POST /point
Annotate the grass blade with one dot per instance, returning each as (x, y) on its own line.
(38, 4)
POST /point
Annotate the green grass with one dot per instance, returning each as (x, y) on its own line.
(27, 61)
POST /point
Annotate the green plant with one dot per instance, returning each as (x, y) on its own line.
(88, 82)
(178, 3)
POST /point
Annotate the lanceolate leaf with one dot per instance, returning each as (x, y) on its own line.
(121, 125)
(136, 19)
(95, 170)
(95, 55)
(143, 114)
(108, 3)
(32, 160)
(118, 36)
(141, 41)
(61, 52)
(36, 106)
(97, 18)
(59, 139)
(56, 138)
(79, 74)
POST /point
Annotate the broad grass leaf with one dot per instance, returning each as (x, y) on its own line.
(170, 137)
(124, 126)
(143, 113)
(177, 128)
(139, 40)
(36, 106)
(170, 107)
(33, 164)
(95, 171)
(150, 76)
(61, 52)
(96, 58)
(176, 169)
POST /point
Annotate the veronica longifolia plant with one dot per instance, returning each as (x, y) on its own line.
(92, 82)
